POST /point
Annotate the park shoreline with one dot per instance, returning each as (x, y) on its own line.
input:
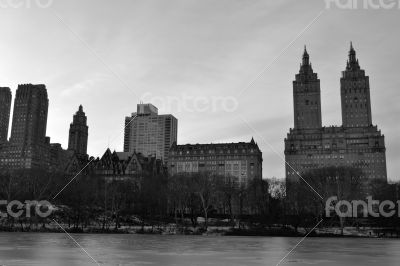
(172, 229)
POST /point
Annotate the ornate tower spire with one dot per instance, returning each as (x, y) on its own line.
(307, 96)
(306, 57)
(355, 94)
(305, 65)
(78, 134)
(352, 63)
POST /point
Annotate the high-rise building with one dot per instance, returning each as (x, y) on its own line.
(149, 133)
(242, 161)
(30, 115)
(28, 146)
(357, 143)
(307, 96)
(355, 94)
(127, 132)
(78, 134)
(5, 106)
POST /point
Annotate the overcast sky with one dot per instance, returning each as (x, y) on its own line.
(193, 59)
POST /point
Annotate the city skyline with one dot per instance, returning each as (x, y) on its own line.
(221, 68)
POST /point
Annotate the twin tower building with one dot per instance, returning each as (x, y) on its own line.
(357, 143)
(28, 146)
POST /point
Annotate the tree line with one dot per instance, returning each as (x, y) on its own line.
(156, 200)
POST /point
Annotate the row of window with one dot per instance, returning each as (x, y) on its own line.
(213, 152)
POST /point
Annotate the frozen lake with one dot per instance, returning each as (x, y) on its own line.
(19, 249)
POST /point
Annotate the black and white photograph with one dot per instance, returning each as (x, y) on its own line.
(199, 132)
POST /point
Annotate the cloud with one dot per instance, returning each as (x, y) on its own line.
(199, 48)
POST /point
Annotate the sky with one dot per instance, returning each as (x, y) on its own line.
(223, 68)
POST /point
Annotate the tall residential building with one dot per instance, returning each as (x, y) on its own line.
(242, 161)
(28, 146)
(149, 133)
(307, 96)
(357, 143)
(127, 132)
(30, 115)
(5, 106)
(78, 134)
(355, 95)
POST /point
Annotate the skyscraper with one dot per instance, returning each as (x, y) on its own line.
(357, 143)
(149, 133)
(28, 146)
(307, 96)
(30, 115)
(127, 132)
(78, 134)
(355, 94)
(5, 105)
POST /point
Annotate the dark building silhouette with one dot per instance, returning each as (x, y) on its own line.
(28, 146)
(127, 132)
(5, 106)
(355, 94)
(114, 166)
(307, 96)
(242, 161)
(30, 115)
(357, 143)
(78, 134)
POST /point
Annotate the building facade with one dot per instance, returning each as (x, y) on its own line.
(242, 161)
(5, 107)
(28, 146)
(125, 165)
(78, 134)
(149, 133)
(307, 96)
(357, 143)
